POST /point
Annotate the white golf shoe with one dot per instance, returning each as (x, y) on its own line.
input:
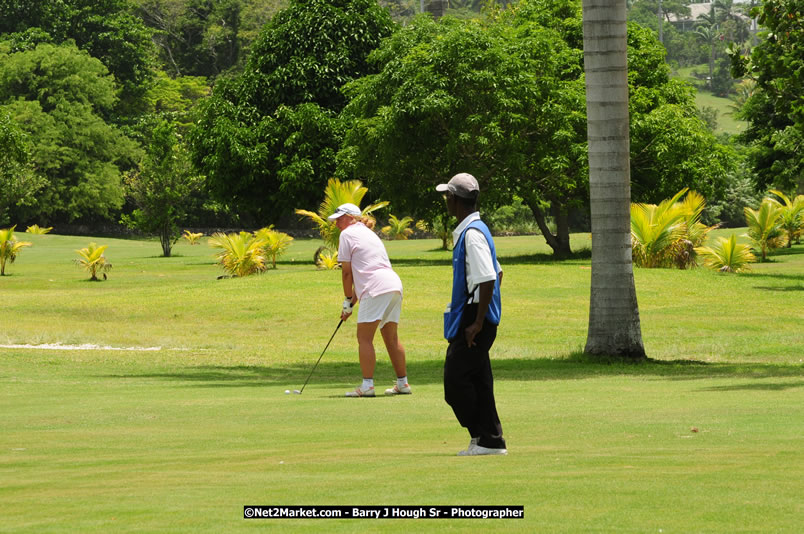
(478, 450)
(396, 390)
(360, 392)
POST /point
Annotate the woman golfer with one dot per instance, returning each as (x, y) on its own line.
(367, 277)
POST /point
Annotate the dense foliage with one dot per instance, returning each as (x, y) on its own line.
(106, 29)
(776, 109)
(59, 95)
(503, 98)
(266, 139)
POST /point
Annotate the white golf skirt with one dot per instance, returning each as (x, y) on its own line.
(385, 308)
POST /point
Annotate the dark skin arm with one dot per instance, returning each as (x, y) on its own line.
(486, 292)
(486, 289)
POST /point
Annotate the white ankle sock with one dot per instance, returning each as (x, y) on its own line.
(401, 381)
(367, 383)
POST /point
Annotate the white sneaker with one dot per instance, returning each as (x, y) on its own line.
(396, 390)
(478, 450)
(360, 392)
(472, 445)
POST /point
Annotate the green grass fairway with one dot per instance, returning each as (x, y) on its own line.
(705, 437)
(726, 122)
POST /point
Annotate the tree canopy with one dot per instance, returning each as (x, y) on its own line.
(58, 96)
(776, 109)
(106, 29)
(266, 138)
(503, 98)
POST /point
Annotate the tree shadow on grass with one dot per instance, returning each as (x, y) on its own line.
(574, 367)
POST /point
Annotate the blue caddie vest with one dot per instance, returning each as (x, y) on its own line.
(460, 292)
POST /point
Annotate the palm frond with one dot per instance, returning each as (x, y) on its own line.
(764, 226)
(93, 260)
(9, 248)
(335, 194)
(241, 253)
(726, 255)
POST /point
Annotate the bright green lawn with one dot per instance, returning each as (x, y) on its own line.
(179, 439)
(726, 122)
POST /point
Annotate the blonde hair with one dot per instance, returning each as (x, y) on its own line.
(370, 222)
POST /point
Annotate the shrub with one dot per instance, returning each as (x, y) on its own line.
(327, 260)
(668, 234)
(94, 261)
(9, 248)
(241, 254)
(335, 194)
(275, 243)
(726, 255)
(765, 227)
(791, 217)
(38, 230)
(398, 228)
(192, 237)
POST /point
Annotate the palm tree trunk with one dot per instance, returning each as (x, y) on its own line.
(614, 327)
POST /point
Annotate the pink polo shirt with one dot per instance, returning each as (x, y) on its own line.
(371, 268)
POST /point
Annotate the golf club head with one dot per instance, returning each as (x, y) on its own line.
(296, 392)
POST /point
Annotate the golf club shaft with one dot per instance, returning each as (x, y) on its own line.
(319, 358)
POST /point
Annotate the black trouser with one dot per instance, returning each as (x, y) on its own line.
(469, 384)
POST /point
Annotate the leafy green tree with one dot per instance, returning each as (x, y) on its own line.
(161, 187)
(775, 110)
(9, 248)
(106, 29)
(18, 182)
(503, 99)
(194, 37)
(266, 139)
(93, 259)
(58, 96)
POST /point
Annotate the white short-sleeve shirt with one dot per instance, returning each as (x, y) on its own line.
(371, 268)
(479, 266)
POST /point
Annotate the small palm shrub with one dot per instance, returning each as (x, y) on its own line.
(275, 243)
(440, 227)
(327, 260)
(335, 194)
(9, 248)
(192, 237)
(38, 230)
(791, 217)
(93, 260)
(667, 234)
(765, 227)
(726, 255)
(398, 228)
(241, 254)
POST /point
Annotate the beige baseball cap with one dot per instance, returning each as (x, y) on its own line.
(462, 185)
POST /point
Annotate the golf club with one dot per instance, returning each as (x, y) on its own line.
(299, 392)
